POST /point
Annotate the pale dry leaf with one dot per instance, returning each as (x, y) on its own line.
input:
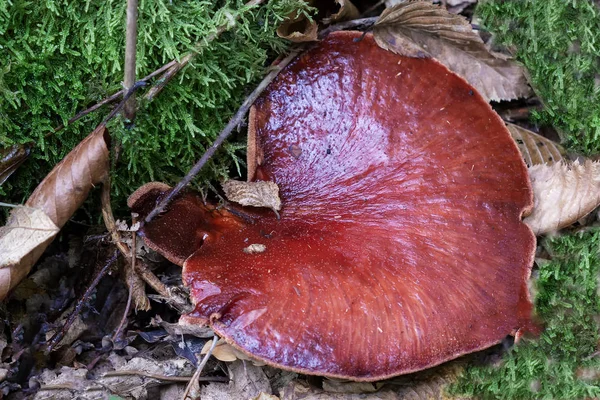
(346, 12)
(247, 381)
(22, 241)
(255, 194)
(222, 351)
(563, 193)
(535, 148)
(422, 29)
(56, 198)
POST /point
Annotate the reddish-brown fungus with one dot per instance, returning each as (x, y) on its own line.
(400, 243)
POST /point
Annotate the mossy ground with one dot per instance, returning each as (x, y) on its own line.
(561, 364)
(62, 56)
(559, 43)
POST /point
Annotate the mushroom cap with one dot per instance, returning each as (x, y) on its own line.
(400, 244)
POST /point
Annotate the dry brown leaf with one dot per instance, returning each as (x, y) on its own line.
(346, 12)
(10, 159)
(421, 29)
(563, 193)
(298, 29)
(535, 148)
(22, 241)
(67, 186)
(57, 197)
(255, 194)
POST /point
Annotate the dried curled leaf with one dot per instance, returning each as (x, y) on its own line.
(346, 12)
(298, 29)
(255, 194)
(67, 186)
(421, 29)
(22, 241)
(535, 148)
(55, 199)
(563, 193)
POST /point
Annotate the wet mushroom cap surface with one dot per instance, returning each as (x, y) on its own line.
(400, 244)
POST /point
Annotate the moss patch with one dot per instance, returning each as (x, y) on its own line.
(561, 363)
(61, 56)
(558, 41)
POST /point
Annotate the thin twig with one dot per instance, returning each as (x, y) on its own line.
(57, 337)
(196, 376)
(168, 70)
(125, 312)
(130, 52)
(165, 378)
(365, 23)
(116, 96)
(225, 133)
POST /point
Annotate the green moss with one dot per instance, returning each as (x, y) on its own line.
(558, 41)
(61, 56)
(558, 365)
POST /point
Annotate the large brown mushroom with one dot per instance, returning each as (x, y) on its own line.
(400, 243)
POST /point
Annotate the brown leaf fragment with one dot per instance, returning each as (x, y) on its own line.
(298, 29)
(346, 12)
(22, 241)
(563, 193)
(535, 148)
(255, 194)
(67, 186)
(422, 29)
(30, 229)
(10, 160)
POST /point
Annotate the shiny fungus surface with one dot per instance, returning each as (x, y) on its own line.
(400, 244)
